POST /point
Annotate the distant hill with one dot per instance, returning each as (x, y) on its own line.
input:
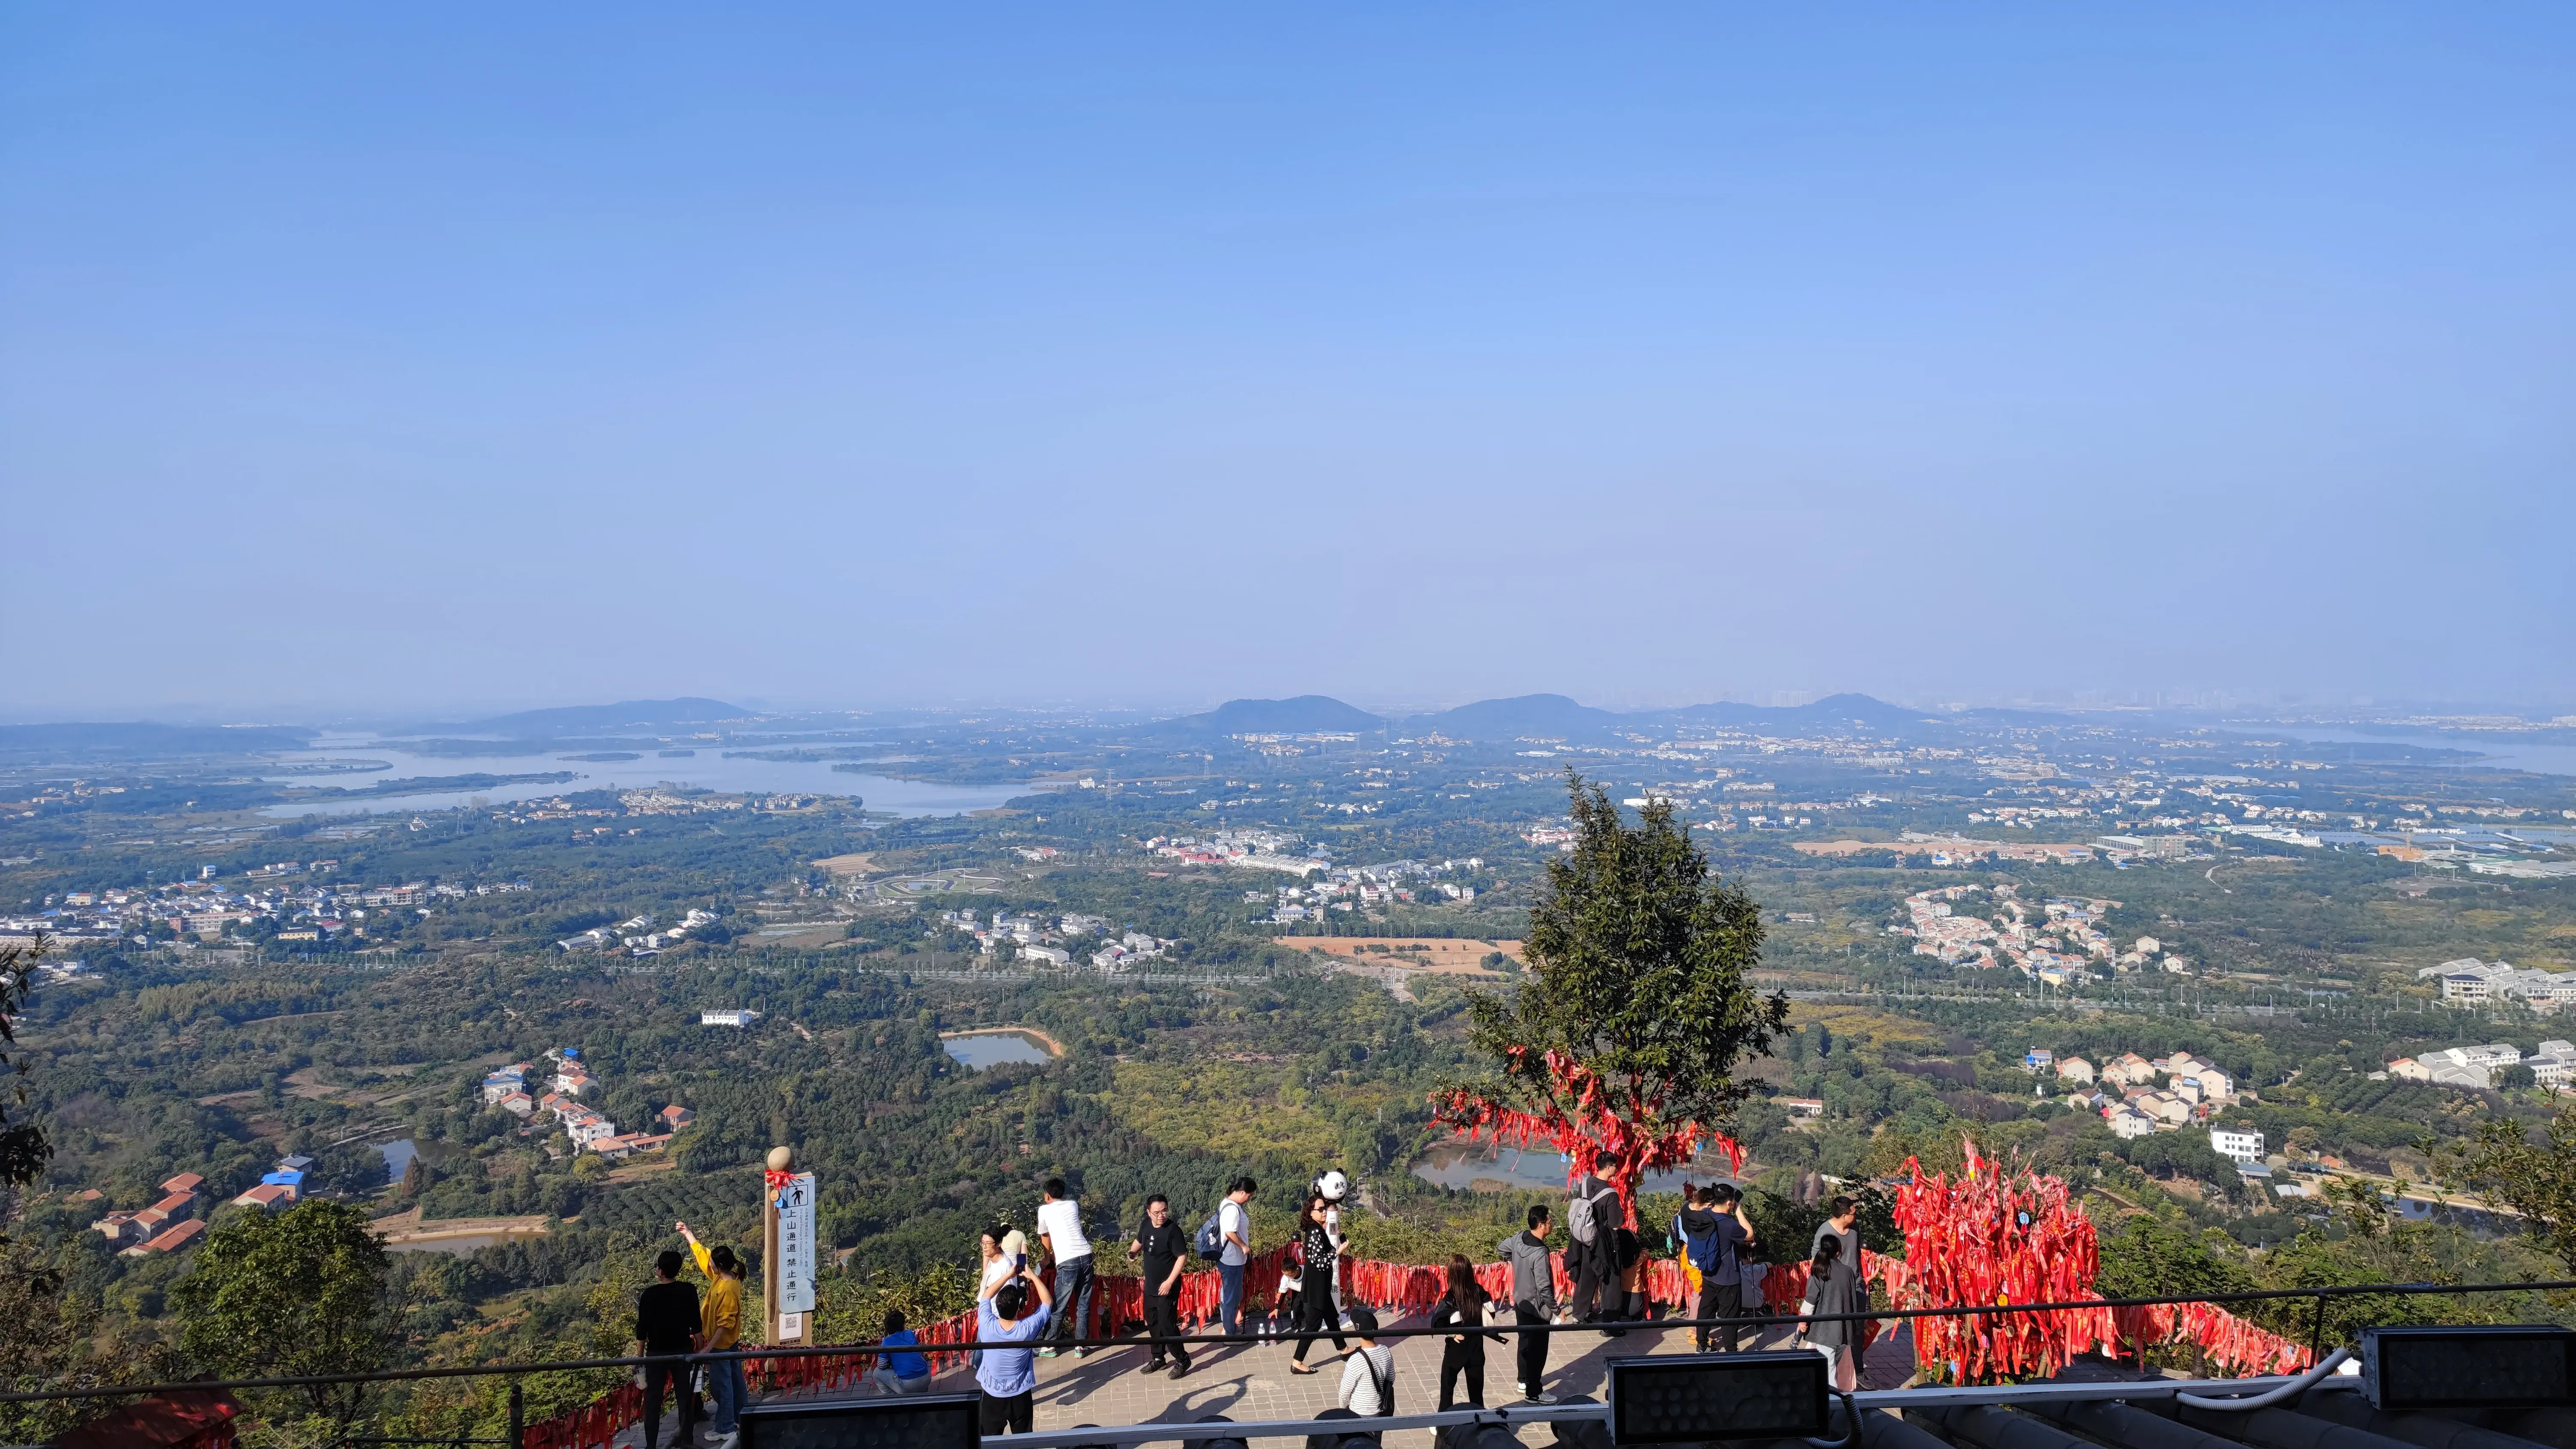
(1307, 714)
(1846, 710)
(39, 743)
(1545, 715)
(578, 717)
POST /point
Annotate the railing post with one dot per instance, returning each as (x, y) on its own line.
(2317, 1333)
(518, 1418)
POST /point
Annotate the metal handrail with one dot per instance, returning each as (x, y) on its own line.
(1600, 1326)
(1579, 1410)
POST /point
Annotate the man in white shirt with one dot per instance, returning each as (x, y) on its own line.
(1234, 1225)
(1060, 1229)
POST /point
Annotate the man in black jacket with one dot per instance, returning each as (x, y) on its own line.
(666, 1324)
(1166, 1250)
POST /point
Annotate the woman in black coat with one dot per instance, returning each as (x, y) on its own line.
(1320, 1248)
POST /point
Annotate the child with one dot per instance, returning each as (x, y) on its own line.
(1283, 1306)
(1462, 1355)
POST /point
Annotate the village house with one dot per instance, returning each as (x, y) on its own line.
(2128, 1069)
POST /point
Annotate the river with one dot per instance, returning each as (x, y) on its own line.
(707, 769)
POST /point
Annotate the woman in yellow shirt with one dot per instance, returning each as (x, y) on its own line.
(719, 1331)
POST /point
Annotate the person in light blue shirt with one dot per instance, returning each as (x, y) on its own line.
(1011, 1310)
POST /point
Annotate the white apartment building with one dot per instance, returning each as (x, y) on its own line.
(2235, 1143)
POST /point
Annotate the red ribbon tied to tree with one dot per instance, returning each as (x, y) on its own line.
(1581, 1115)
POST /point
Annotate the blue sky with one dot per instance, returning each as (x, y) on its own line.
(370, 357)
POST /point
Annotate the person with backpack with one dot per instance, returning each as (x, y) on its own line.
(1368, 1375)
(1710, 1236)
(1158, 1242)
(1233, 1250)
(1591, 1218)
(1462, 1354)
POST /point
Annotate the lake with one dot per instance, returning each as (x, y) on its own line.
(979, 1052)
(708, 770)
(2502, 751)
(1465, 1165)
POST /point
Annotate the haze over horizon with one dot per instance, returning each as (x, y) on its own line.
(380, 363)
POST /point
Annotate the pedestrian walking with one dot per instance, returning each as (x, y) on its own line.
(1060, 1230)
(1165, 1251)
(1533, 1301)
(1462, 1352)
(1319, 1250)
(1013, 1311)
(720, 1332)
(1234, 1227)
(666, 1328)
(1592, 1215)
(1834, 1285)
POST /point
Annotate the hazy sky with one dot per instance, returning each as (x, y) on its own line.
(371, 356)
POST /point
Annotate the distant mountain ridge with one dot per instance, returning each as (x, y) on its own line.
(1544, 716)
(1307, 714)
(1856, 709)
(606, 716)
(1551, 715)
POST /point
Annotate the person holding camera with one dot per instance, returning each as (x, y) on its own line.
(1011, 1310)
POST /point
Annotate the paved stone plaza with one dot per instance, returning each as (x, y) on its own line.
(1252, 1381)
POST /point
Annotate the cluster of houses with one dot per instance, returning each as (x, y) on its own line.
(2125, 1090)
(173, 1222)
(309, 910)
(2056, 943)
(2470, 982)
(1054, 941)
(570, 1080)
(1370, 887)
(635, 935)
(166, 1226)
(2553, 1065)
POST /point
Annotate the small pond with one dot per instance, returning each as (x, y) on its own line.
(979, 1052)
(397, 1156)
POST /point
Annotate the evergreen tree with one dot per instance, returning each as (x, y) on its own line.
(1638, 1003)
